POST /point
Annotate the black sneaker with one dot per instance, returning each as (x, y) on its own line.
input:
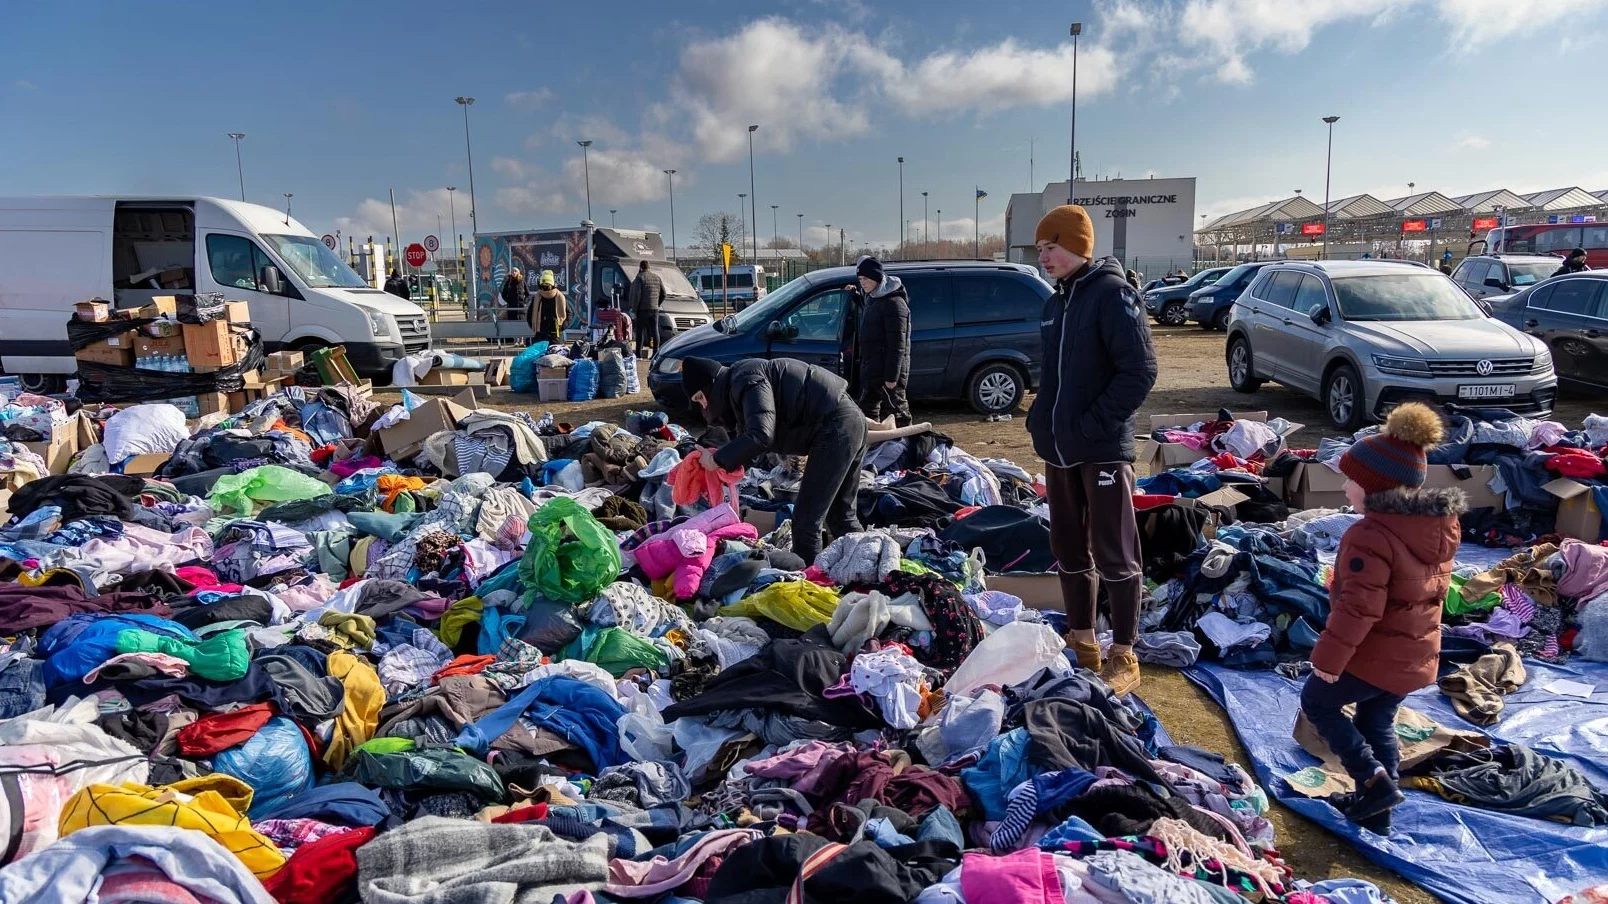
(1377, 796)
(1379, 825)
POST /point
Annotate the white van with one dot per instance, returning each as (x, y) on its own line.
(744, 284)
(55, 251)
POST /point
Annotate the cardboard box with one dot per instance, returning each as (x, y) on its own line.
(158, 306)
(553, 373)
(213, 403)
(284, 363)
(59, 448)
(146, 346)
(237, 312)
(1040, 591)
(439, 377)
(1578, 513)
(763, 521)
(1316, 485)
(174, 278)
(1421, 737)
(552, 390)
(497, 371)
(211, 346)
(145, 465)
(403, 439)
(1158, 457)
(1477, 486)
(94, 311)
(117, 351)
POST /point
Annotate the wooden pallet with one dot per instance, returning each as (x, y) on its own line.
(333, 367)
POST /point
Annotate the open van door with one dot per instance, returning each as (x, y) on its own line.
(812, 331)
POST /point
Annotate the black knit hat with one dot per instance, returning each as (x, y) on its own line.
(698, 374)
(870, 268)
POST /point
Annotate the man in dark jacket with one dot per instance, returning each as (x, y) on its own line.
(515, 295)
(396, 285)
(1574, 263)
(1098, 368)
(883, 343)
(644, 302)
(791, 408)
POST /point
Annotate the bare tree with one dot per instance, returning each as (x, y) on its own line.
(721, 227)
(781, 242)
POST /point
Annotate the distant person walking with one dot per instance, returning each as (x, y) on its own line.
(396, 285)
(1133, 277)
(1098, 367)
(1574, 263)
(883, 344)
(549, 310)
(515, 294)
(644, 303)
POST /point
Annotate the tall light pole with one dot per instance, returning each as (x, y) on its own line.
(923, 218)
(742, 210)
(612, 212)
(396, 234)
(940, 232)
(776, 235)
(801, 232)
(670, 175)
(753, 196)
(826, 242)
(901, 209)
(474, 212)
(1072, 180)
(240, 169)
(287, 208)
(457, 245)
(586, 167)
(1328, 164)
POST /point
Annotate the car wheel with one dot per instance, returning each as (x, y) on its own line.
(996, 388)
(1220, 320)
(1344, 399)
(42, 384)
(1241, 366)
(1173, 314)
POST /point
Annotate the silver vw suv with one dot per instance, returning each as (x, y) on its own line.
(1364, 336)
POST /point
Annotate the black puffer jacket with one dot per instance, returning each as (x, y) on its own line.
(885, 336)
(773, 405)
(1098, 368)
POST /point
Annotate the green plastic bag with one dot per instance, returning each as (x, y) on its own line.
(616, 650)
(571, 556)
(800, 605)
(239, 493)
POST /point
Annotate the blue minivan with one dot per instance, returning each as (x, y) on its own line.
(974, 331)
(1210, 307)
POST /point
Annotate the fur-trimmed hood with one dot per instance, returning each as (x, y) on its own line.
(1417, 519)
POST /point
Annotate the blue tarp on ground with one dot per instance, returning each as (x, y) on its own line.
(1463, 854)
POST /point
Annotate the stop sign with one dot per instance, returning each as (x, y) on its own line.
(416, 255)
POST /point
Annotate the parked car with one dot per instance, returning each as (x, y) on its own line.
(1364, 336)
(1169, 304)
(974, 331)
(1570, 314)
(1490, 275)
(1210, 306)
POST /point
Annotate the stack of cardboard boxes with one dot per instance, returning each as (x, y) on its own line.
(206, 347)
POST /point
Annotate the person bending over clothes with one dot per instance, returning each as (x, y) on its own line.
(791, 408)
(1382, 639)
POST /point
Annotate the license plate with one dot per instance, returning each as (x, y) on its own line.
(1486, 391)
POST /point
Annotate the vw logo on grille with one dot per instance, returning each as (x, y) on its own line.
(1484, 368)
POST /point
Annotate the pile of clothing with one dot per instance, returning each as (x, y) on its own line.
(290, 668)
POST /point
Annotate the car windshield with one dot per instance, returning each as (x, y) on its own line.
(675, 282)
(1204, 277)
(767, 307)
(1530, 274)
(316, 265)
(1235, 275)
(1403, 297)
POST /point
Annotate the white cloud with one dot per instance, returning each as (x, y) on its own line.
(532, 197)
(1469, 142)
(415, 215)
(1004, 75)
(1227, 31)
(508, 166)
(26, 85)
(619, 176)
(529, 101)
(1479, 22)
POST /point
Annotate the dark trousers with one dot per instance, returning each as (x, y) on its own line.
(877, 401)
(831, 481)
(1095, 538)
(646, 326)
(1365, 742)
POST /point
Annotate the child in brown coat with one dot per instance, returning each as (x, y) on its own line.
(1382, 639)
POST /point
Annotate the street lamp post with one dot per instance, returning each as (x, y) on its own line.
(457, 244)
(742, 211)
(612, 212)
(240, 169)
(396, 234)
(776, 235)
(474, 212)
(287, 208)
(586, 169)
(901, 209)
(924, 236)
(940, 232)
(670, 175)
(753, 195)
(1328, 165)
(1072, 178)
(826, 242)
(801, 232)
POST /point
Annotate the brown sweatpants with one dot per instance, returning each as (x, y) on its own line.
(1095, 538)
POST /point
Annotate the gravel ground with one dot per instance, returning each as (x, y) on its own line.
(1193, 379)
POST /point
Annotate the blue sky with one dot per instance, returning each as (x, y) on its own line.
(341, 102)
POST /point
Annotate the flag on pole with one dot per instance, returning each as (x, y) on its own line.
(981, 194)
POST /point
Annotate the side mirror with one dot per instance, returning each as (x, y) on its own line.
(1319, 314)
(270, 280)
(1486, 307)
(1495, 283)
(775, 330)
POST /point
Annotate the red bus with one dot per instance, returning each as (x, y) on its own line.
(1552, 238)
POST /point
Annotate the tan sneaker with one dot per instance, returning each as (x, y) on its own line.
(1088, 654)
(1121, 673)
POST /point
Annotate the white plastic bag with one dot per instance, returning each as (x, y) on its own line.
(1008, 656)
(144, 429)
(644, 737)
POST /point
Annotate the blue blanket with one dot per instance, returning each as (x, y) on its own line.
(1463, 854)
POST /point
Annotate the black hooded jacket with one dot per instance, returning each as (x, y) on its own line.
(1099, 366)
(885, 335)
(774, 405)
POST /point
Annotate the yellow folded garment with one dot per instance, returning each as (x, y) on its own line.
(215, 804)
